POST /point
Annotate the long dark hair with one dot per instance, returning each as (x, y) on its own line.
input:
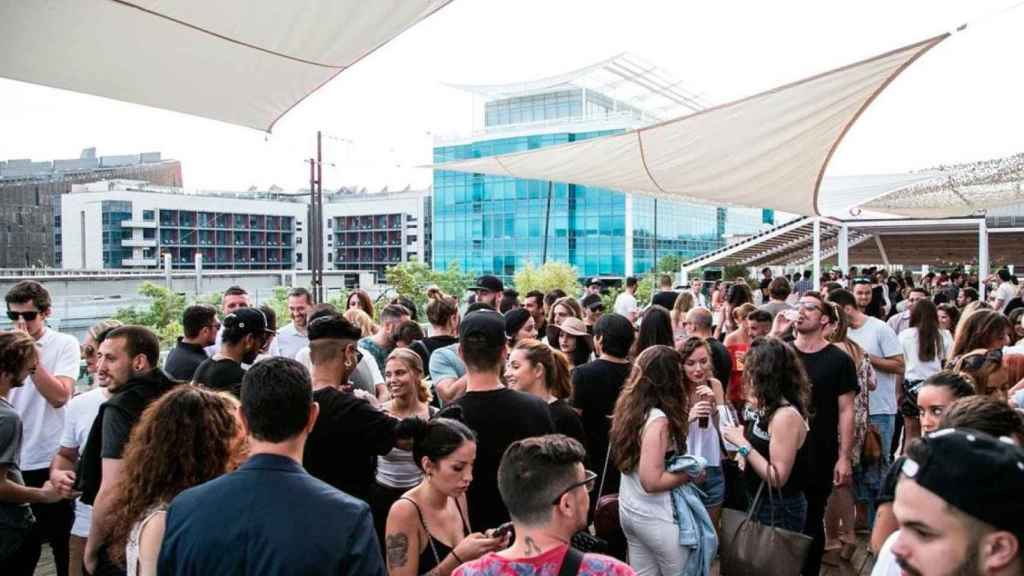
(954, 315)
(655, 330)
(775, 375)
(655, 382)
(979, 330)
(925, 317)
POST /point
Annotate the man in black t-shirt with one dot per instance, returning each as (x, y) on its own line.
(666, 296)
(200, 325)
(350, 433)
(498, 415)
(596, 387)
(833, 378)
(244, 337)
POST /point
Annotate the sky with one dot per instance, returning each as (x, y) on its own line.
(960, 102)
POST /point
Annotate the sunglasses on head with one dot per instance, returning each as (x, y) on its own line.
(28, 316)
(972, 362)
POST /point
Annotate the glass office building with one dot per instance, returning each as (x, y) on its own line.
(495, 225)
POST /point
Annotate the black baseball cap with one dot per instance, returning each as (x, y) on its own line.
(978, 474)
(595, 281)
(485, 327)
(246, 321)
(489, 283)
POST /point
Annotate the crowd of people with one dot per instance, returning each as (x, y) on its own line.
(546, 435)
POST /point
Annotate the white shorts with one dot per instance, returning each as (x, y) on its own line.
(83, 519)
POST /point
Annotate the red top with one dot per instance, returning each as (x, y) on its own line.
(547, 564)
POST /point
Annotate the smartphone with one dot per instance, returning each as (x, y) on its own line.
(502, 530)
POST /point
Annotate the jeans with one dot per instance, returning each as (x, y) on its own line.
(817, 493)
(53, 521)
(654, 548)
(868, 479)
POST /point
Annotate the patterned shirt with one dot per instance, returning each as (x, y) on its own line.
(547, 564)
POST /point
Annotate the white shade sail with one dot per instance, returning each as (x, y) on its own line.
(958, 190)
(765, 151)
(245, 62)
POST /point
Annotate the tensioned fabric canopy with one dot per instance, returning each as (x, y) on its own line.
(768, 151)
(245, 62)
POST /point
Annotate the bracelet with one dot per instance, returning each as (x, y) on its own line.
(744, 451)
(456, 556)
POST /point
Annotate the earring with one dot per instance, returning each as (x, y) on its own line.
(348, 364)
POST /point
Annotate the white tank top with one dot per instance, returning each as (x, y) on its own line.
(704, 442)
(131, 551)
(632, 496)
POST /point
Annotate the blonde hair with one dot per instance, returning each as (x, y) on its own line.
(413, 362)
(361, 319)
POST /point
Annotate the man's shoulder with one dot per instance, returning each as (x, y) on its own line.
(52, 338)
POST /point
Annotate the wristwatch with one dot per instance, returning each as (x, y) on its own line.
(744, 451)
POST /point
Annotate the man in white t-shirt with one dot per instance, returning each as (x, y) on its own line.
(40, 404)
(292, 337)
(1005, 292)
(625, 302)
(699, 300)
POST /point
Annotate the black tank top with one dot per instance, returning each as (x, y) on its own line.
(436, 551)
(759, 440)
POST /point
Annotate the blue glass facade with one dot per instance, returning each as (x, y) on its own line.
(495, 224)
(114, 212)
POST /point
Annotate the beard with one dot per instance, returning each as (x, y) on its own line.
(967, 567)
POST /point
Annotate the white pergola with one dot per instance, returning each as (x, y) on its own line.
(813, 240)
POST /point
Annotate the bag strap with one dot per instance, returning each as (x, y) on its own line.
(604, 472)
(571, 562)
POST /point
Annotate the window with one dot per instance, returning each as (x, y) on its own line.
(298, 256)
(148, 215)
(298, 239)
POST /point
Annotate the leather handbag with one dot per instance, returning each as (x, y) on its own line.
(749, 548)
(606, 517)
(871, 451)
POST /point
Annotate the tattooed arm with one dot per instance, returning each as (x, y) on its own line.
(402, 540)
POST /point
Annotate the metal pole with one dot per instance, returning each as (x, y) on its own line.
(311, 227)
(655, 235)
(547, 224)
(983, 271)
(817, 249)
(319, 218)
(844, 248)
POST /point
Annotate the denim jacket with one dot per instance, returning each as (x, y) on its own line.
(696, 531)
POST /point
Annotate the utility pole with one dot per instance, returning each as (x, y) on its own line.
(547, 224)
(316, 236)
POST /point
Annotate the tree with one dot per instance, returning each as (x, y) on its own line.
(412, 279)
(546, 278)
(670, 264)
(162, 316)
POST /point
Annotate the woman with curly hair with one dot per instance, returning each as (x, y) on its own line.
(189, 436)
(773, 443)
(650, 421)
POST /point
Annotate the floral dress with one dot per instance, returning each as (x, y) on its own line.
(866, 380)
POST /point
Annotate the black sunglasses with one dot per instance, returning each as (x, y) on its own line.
(28, 316)
(972, 362)
(588, 481)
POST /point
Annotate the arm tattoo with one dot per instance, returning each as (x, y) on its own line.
(397, 549)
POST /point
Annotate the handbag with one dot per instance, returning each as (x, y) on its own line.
(871, 451)
(606, 517)
(749, 548)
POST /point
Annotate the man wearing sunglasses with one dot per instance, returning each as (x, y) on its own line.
(545, 488)
(40, 404)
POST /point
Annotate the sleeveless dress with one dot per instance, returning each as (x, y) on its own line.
(436, 551)
(132, 546)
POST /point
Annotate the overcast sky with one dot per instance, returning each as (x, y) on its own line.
(962, 101)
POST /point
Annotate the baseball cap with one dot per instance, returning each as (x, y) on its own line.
(489, 283)
(573, 326)
(595, 281)
(515, 319)
(955, 463)
(245, 321)
(485, 327)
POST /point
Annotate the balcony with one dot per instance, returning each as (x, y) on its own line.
(139, 242)
(138, 224)
(133, 262)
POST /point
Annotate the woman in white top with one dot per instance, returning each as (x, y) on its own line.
(649, 423)
(705, 396)
(189, 436)
(926, 347)
(410, 398)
